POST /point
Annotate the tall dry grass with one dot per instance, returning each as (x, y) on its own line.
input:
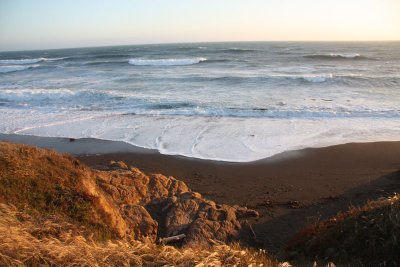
(21, 245)
(362, 236)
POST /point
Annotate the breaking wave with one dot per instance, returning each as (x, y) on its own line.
(314, 78)
(166, 62)
(237, 50)
(13, 68)
(27, 60)
(336, 56)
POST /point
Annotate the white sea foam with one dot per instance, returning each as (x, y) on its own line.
(12, 68)
(295, 69)
(146, 103)
(166, 62)
(245, 103)
(337, 56)
(313, 78)
(27, 60)
(317, 78)
(348, 55)
(227, 139)
(34, 94)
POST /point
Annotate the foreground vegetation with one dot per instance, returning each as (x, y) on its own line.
(362, 236)
(27, 242)
(55, 211)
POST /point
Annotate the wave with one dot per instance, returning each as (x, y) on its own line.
(105, 62)
(27, 60)
(232, 50)
(89, 100)
(333, 56)
(216, 60)
(167, 105)
(271, 111)
(166, 62)
(348, 80)
(34, 94)
(282, 77)
(101, 56)
(295, 69)
(20, 61)
(54, 58)
(320, 78)
(312, 78)
(13, 68)
(237, 50)
(65, 97)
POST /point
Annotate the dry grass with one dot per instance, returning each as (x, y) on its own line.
(49, 184)
(46, 219)
(26, 241)
(363, 236)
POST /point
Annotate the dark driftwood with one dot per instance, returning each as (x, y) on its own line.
(172, 238)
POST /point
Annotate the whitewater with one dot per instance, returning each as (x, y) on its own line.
(219, 101)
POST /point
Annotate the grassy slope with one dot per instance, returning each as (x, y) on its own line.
(366, 236)
(46, 183)
(46, 219)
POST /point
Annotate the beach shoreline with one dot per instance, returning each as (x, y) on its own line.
(290, 190)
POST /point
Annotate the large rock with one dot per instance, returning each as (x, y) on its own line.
(176, 209)
(201, 219)
(122, 199)
(140, 223)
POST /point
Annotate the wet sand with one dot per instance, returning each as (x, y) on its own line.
(290, 190)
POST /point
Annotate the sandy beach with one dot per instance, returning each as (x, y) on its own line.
(290, 190)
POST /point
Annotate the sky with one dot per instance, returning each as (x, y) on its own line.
(43, 24)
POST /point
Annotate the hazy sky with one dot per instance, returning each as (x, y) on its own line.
(35, 24)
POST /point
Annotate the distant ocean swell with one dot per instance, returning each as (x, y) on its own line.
(13, 68)
(13, 65)
(27, 61)
(333, 56)
(311, 78)
(124, 58)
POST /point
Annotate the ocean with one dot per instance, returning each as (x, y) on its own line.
(220, 101)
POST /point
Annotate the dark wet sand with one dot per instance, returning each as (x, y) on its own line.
(290, 190)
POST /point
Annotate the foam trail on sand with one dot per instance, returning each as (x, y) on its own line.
(225, 139)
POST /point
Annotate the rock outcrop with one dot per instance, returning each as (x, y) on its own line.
(156, 205)
(121, 199)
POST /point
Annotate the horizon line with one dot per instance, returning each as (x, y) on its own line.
(207, 42)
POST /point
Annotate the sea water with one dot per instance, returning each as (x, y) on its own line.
(220, 101)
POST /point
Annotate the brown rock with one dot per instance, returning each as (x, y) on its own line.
(123, 199)
(118, 165)
(141, 225)
(202, 220)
